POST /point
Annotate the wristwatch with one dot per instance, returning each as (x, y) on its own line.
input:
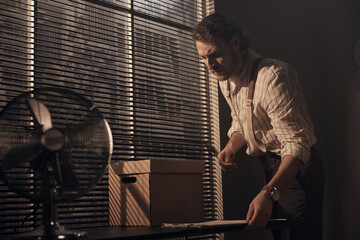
(273, 192)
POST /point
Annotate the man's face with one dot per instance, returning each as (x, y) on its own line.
(220, 58)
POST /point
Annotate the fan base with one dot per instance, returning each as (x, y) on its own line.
(50, 233)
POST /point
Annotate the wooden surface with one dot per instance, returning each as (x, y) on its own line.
(129, 233)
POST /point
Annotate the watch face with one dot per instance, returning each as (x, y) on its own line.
(275, 194)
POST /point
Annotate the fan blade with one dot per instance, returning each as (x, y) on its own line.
(17, 156)
(63, 171)
(82, 133)
(41, 113)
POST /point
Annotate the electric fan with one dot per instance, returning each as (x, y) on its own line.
(55, 146)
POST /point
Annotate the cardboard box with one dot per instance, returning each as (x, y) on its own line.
(151, 192)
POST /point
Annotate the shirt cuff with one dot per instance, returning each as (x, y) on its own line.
(232, 130)
(296, 150)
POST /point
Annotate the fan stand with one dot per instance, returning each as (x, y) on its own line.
(50, 228)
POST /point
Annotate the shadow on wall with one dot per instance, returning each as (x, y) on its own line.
(352, 178)
(317, 39)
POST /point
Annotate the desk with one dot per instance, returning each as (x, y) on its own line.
(132, 233)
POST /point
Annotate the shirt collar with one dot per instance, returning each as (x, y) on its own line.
(244, 77)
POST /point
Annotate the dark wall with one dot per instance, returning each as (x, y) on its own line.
(317, 38)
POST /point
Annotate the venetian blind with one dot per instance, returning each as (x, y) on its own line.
(137, 62)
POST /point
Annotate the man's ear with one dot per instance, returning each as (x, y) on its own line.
(235, 43)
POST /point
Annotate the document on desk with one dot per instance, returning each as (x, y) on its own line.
(213, 223)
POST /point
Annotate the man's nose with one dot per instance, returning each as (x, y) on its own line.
(209, 62)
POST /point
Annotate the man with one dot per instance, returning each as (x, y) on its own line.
(269, 116)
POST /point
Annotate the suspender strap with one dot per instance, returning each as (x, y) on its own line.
(249, 106)
(253, 76)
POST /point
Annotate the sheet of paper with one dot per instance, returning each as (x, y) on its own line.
(204, 224)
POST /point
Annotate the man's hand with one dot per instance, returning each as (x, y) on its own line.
(259, 211)
(226, 159)
(227, 155)
(261, 207)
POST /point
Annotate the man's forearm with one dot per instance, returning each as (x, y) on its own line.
(288, 169)
(236, 141)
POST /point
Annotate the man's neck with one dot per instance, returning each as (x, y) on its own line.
(242, 60)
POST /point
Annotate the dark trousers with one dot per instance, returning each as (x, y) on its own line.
(302, 201)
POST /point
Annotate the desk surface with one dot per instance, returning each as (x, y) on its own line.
(129, 233)
(113, 233)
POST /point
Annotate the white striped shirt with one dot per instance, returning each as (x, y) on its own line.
(280, 117)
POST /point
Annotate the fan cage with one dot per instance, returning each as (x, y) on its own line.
(34, 177)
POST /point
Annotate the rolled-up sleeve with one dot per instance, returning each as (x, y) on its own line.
(286, 108)
(235, 125)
